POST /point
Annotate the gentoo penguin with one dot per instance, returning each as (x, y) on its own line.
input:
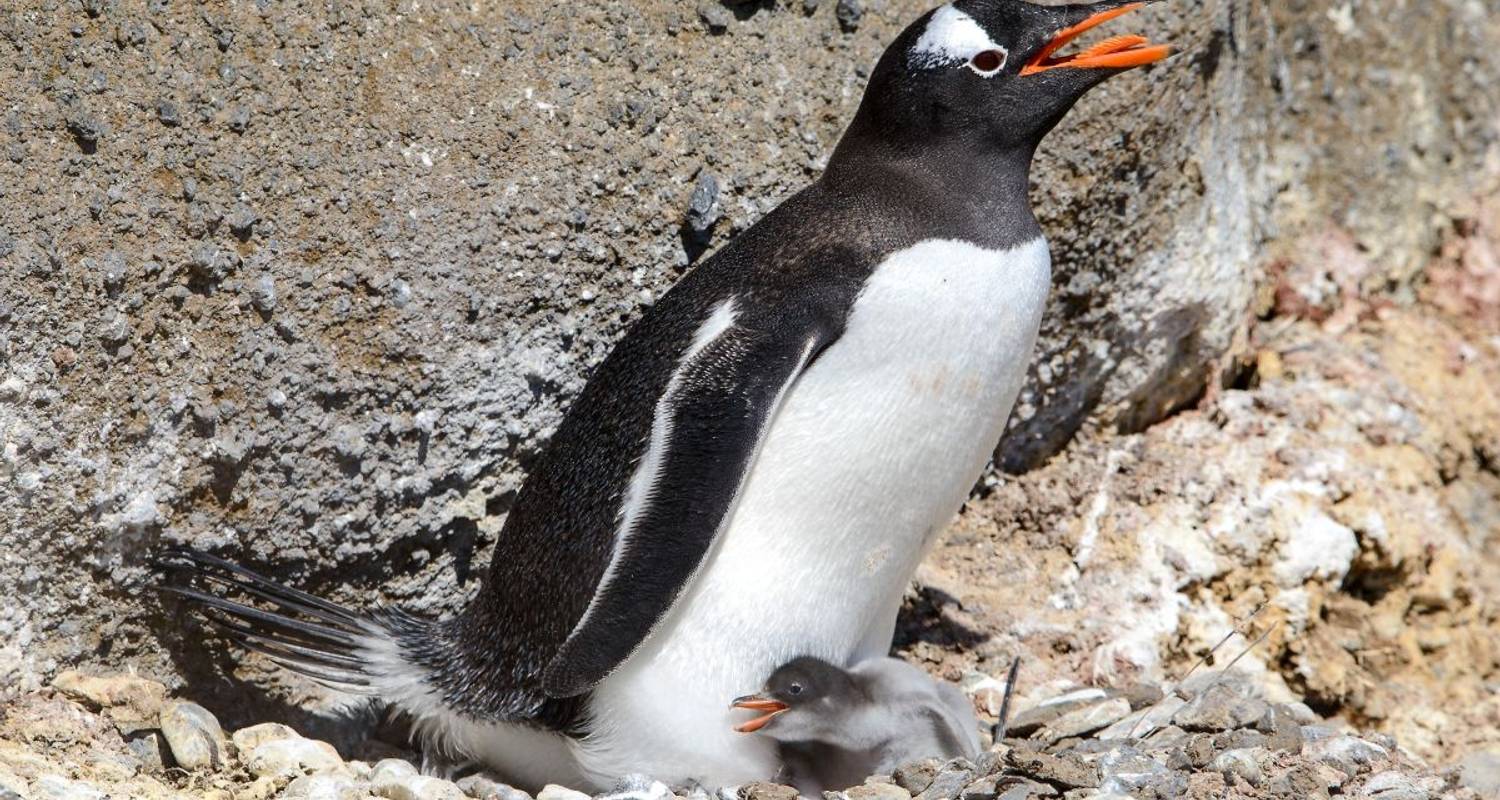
(756, 469)
(836, 727)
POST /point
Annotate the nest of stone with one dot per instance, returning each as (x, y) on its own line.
(1212, 736)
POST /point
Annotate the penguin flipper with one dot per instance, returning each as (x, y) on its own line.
(710, 424)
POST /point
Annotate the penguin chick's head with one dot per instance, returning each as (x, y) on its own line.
(805, 699)
(993, 72)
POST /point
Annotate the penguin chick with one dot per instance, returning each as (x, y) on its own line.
(836, 727)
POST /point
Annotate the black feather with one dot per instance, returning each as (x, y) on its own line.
(299, 631)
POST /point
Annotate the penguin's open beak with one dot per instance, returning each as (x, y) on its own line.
(1118, 52)
(755, 702)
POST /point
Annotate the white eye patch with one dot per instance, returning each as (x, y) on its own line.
(951, 37)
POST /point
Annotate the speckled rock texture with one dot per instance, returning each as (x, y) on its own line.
(311, 283)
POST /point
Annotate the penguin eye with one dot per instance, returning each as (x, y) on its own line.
(795, 688)
(987, 62)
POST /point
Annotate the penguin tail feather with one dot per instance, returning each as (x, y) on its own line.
(342, 649)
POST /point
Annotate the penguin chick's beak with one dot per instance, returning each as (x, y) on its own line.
(1118, 52)
(755, 702)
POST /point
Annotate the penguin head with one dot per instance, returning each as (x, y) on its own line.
(805, 699)
(993, 73)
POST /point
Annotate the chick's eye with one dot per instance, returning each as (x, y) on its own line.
(987, 62)
(795, 688)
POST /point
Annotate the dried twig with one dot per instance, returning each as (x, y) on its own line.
(998, 731)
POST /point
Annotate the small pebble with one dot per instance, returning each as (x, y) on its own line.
(249, 738)
(1218, 708)
(1347, 754)
(167, 113)
(950, 780)
(554, 792)
(194, 736)
(1392, 785)
(877, 791)
(715, 17)
(290, 757)
(1241, 762)
(242, 219)
(849, 14)
(1086, 720)
(638, 787)
(916, 776)
(322, 787)
(484, 787)
(760, 790)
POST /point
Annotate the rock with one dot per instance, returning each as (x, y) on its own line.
(1303, 715)
(131, 702)
(396, 784)
(877, 791)
(1392, 785)
(1028, 721)
(85, 127)
(167, 113)
(916, 776)
(390, 769)
(485, 787)
(1023, 790)
(1167, 736)
(149, 748)
(1480, 771)
(1085, 720)
(849, 14)
(1240, 738)
(323, 787)
(1281, 729)
(986, 691)
(638, 787)
(1219, 708)
(1142, 695)
(247, 739)
(1348, 754)
(56, 787)
(239, 119)
(703, 207)
(1125, 769)
(242, 219)
(1144, 722)
(1242, 762)
(760, 790)
(716, 18)
(1064, 770)
(1316, 733)
(554, 792)
(194, 736)
(950, 780)
(291, 757)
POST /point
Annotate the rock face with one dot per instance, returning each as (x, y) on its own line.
(314, 285)
(1331, 522)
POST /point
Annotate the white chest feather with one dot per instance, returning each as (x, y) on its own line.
(876, 447)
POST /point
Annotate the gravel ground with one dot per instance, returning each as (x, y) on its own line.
(1211, 736)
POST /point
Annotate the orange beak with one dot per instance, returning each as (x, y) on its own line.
(1119, 52)
(757, 703)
